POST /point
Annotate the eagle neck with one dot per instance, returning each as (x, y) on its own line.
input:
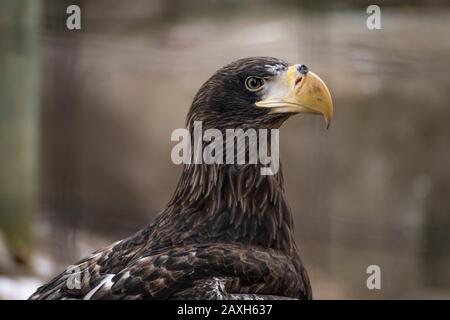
(231, 203)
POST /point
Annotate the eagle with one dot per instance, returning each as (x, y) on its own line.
(227, 232)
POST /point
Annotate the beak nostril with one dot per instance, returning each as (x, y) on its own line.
(302, 69)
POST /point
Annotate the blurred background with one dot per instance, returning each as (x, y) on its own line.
(86, 117)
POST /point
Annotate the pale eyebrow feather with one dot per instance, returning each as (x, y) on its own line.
(275, 69)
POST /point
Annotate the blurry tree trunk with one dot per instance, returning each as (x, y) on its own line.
(19, 104)
(436, 227)
(436, 260)
(61, 139)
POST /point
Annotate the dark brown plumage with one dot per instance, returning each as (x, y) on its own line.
(227, 232)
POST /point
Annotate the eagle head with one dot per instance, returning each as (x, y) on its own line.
(259, 92)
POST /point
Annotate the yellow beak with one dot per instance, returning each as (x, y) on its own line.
(299, 92)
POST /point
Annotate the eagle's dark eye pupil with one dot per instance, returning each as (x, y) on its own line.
(254, 83)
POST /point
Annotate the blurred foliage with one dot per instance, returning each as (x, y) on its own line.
(19, 102)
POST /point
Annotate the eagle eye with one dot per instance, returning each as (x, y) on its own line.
(254, 83)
